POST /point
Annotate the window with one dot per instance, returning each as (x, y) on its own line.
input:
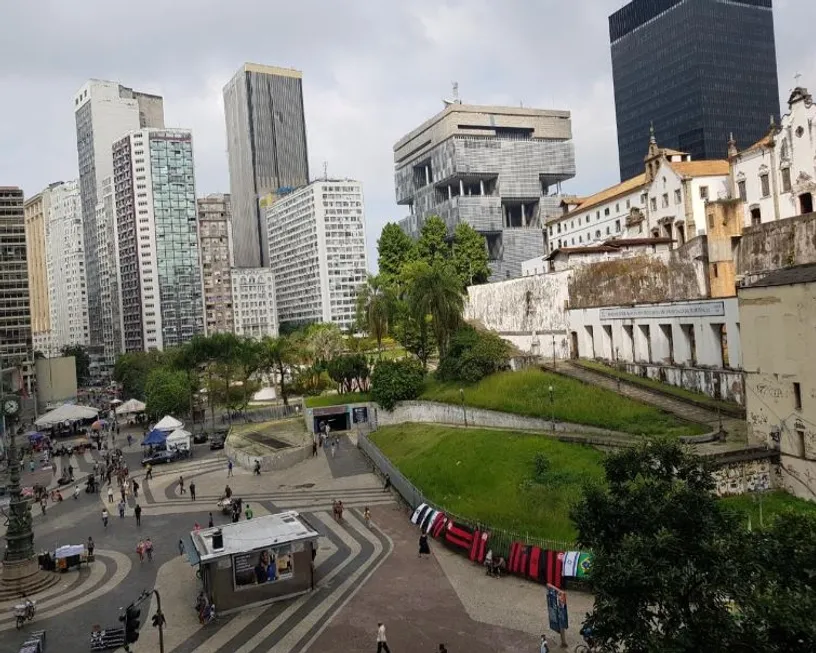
(665, 200)
(715, 271)
(797, 396)
(617, 208)
(598, 215)
(710, 220)
(587, 219)
(741, 190)
(786, 180)
(800, 443)
(597, 233)
(643, 199)
(653, 203)
(617, 225)
(678, 196)
(606, 211)
(756, 217)
(607, 230)
(703, 192)
(764, 183)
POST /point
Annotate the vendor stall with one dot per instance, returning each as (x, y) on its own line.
(69, 556)
(256, 561)
(66, 414)
(168, 424)
(179, 440)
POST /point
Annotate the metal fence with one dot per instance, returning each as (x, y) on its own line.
(500, 539)
(253, 414)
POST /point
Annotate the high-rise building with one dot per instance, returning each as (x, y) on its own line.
(157, 239)
(36, 210)
(318, 251)
(15, 311)
(104, 111)
(107, 261)
(215, 245)
(253, 302)
(698, 70)
(266, 145)
(498, 169)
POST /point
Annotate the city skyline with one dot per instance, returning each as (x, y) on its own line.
(360, 94)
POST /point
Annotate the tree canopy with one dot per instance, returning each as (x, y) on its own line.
(82, 360)
(395, 248)
(469, 255)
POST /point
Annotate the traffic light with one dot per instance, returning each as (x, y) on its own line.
(132, 624)
(159, 620)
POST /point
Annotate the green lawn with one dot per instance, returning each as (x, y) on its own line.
(337, 400)
(666, 388)
(526, 392)
(488, 476)
(772, 503)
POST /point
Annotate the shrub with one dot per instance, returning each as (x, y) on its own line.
(394, 381)
(473, 355)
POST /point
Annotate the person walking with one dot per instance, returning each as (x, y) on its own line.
(382, 641)
(181, 485)
(121, 507)
(314, 449)
(257, 470)
(149, 548)
(210, 523)
(43, 503)
(140, 550)
(105, 517)
(192, 490)
(181, 547)
(424, 549)
(110, 494)
(248, 512)
(135, 489)
(91, 546)
(137, 511)
(367, 516)
(148, 472)
(545, 647)
(333, 448)
(229, 467)
(122, 492)
(71, 472)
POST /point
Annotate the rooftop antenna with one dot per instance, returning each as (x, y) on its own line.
(797, 77)
(456, 99)
(325, 171)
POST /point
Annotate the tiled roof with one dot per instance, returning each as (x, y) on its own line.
(589, 249)
(700, 168)
(631, 242)
(763, 142)
(605, 195)
(787, 277)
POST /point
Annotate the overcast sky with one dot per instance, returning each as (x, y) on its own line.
(373, 70)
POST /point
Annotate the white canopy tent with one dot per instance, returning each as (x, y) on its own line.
(130, 406)
(178, 439)
(66, 413)
(168, 423)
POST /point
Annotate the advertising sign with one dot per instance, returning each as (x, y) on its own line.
(264, 566)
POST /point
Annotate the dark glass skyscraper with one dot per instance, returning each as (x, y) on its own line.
(698, 70)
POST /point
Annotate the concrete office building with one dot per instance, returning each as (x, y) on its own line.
(107, 258)
(215, 245)
(318, 252)
(266, 146)
(498, 169)
(36, 214)
(15, 310)
(104, 111)
(157, 238)
(253, 302)
(698, 70)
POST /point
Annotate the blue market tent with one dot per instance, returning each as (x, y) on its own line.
(155, 437)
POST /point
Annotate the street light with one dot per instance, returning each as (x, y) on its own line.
(553, 350)
(464, 412)
(552, 407)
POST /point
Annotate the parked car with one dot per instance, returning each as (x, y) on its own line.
(217, 441)
(200, 438)
(160, 457)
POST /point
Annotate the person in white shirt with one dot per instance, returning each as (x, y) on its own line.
(545, 648)
(382, 643)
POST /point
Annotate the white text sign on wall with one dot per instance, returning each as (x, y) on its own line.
(690, 309)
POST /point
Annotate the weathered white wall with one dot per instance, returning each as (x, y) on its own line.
(528, 312)
(744, 476)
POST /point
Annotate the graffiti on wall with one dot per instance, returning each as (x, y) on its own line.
(743, 477)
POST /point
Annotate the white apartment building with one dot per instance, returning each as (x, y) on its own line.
(157, 238)
(109, 320)
(776, 177)
(65, 264)
(317, 250)
(253, 302)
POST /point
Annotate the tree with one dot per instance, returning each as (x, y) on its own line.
(663, 567)
(276, 356)
(132, 369)
(473, 355)
(81, 359)
(394, 381)
(470, 255)
(167, 392)
(435, 290)
(432, 246)
(375, 309)
(324, 341)
(395, 248)
(349, 372)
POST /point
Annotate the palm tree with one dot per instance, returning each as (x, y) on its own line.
(435, 290)
(374, 309)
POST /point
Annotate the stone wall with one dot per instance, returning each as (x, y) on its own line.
(775, 245)
(743, 476)
(643, 279)
(728, 385)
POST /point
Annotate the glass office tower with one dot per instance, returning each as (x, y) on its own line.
(698, 70)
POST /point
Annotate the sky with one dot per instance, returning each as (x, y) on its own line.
(372, 71)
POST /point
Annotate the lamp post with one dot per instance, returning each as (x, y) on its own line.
(553, 348)
(552, 407)
(464, 411)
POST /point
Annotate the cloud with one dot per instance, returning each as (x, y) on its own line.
(372, 72)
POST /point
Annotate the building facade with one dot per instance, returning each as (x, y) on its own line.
(215, 245)
(266, 148)
(36, 214)
(15, 310)
(668, 55)
(777, 314)
(104, 111)
(107, 261)
(318, 252)
(157, 239)
(498, 169)
(253, 302)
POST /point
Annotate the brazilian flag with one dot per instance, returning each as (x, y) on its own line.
(584, 566)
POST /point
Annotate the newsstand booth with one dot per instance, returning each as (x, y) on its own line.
(256, 561)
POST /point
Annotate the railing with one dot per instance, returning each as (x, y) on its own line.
(500, 539)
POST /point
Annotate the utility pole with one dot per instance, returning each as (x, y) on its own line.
(464, 411)
(553, 348)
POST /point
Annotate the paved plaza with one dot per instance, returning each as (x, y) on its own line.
(364, 575)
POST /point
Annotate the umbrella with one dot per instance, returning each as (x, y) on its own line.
(115, 402)
(98, 425)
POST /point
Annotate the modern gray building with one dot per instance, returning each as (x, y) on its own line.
(104, 111)
(15, 310)
(215, 247)
(266, 147)
(498, 169)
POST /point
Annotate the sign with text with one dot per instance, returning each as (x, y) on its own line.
(690, 309)
(264, 566)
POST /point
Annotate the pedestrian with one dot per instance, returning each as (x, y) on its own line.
(545, 647)
(181, 485)
(129, 439)
(192, 490)
(135, 489)
(121, 509)
(181, 547)
(122, 492)
(333, 448)
(149, 548)
(229, 467)
(387, 484)
(248, 512)
(443, 648)
(71, 472)
(367, 516)
(31, 466)
(43, 504)
(140, 550)
(148, 471)
(382, 642)
(110, 494)
(257, 470)
(105, 517)
(91, 547)
(424, 549)
(314, 450)
(137, 511)
(210, 523)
